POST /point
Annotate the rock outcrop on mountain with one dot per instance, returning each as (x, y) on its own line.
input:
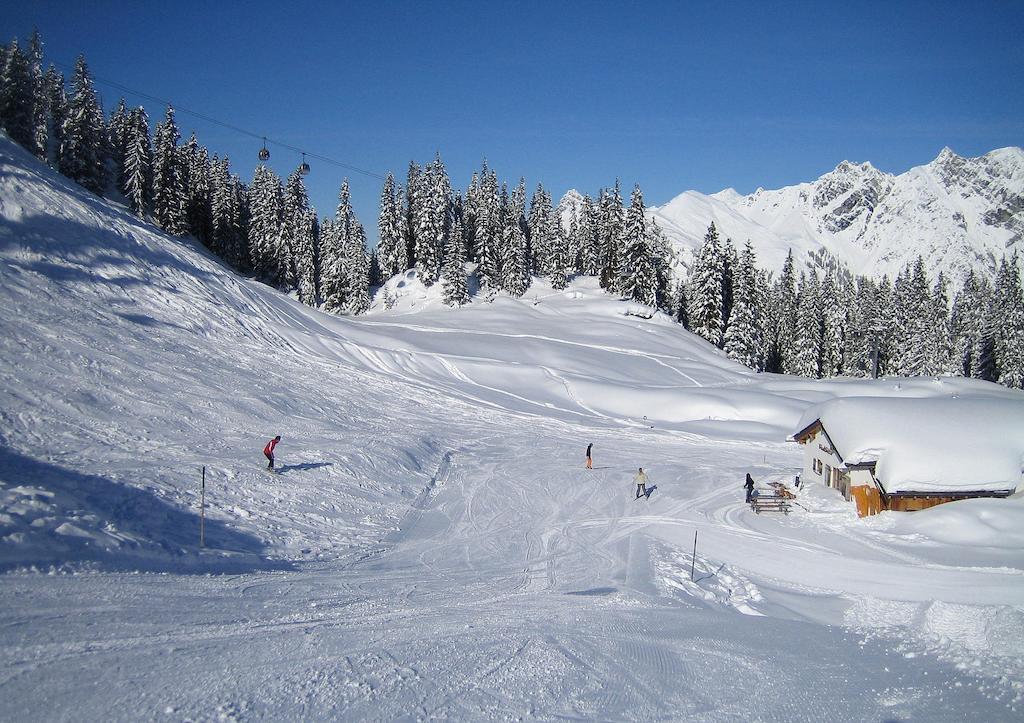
(957, 213)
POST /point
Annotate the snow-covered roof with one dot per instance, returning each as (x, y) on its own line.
(938, 444)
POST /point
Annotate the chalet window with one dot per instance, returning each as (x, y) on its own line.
(828, 476)
(816, 466)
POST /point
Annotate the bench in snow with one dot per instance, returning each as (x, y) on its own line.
(769, 503)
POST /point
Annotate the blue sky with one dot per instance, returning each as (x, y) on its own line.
(673, 95)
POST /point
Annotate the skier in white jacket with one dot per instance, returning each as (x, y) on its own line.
(641, 482)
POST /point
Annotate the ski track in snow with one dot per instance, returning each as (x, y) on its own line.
(432, 546)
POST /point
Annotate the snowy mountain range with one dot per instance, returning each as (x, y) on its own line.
(957, 213)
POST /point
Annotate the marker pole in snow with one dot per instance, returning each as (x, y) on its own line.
(202, 510)
(693, 559)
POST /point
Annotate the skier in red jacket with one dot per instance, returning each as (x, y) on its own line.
(268, 451)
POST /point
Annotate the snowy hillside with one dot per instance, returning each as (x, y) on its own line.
(958, 213)
(432, 545)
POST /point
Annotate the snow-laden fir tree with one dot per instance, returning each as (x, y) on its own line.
(195, 164)
(83, 158)
(40, 97)
(358, 275)
(391, 249)
(636, 269)
(229, 239)
(539, 232)
(345, 265)
(515, 270)
(432, 220)
(415, 199)
(56, 115)
(298, 229)
(265, 212)
(119, 136)
(706, 312)
(16, 97)
(967, 322)
(306, 243)
(807, 342)
(589, 242)
(742, 336)
(681, 305)
(940, 341)
(729, 262)
(784, 312)
(169, 199)
(833, 312)
(611, 216)
(661, 256)
(138, 163)
(1009, 330)
(559, 258)
(453, 275)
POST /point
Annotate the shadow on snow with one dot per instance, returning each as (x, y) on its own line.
(68, 517)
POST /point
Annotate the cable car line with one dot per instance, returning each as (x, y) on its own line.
(264, 154)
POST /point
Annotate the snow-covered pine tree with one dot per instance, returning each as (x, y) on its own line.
(515, 271)
(807, 354)
(169, 199)
(306, 243)
(636, 270)
(16, 97)
(57, 113)
(1009, 330)
(345, 265)
(138, 163)
(265, 209)
(538, 232)
(911, 296)
(453, 275)
(682, 305)
(224, 215)
(742, 336)
(84, 153)
(119, 136)
(967, 322)
(298, 242)
(487, 226)
(612, 220)
(559, 259)
(195, 162)
(784, 306)
(706, 314)
(661, 256)
(589, 242)
(358, 265)
(415, 197)
(729, 262)
(392, 248)
(40, 99)
(940, 339)
(833, 317)
(432, 221)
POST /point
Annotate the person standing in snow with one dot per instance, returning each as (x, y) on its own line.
(749, 485)
(268, 451)
(589, 462)
(641, 482)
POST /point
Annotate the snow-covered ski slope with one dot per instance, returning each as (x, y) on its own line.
(432, 546)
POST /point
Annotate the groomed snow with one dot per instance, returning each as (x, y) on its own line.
(433, 546)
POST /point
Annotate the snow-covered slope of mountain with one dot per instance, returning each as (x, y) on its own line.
(957, 213)
(433, 546)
